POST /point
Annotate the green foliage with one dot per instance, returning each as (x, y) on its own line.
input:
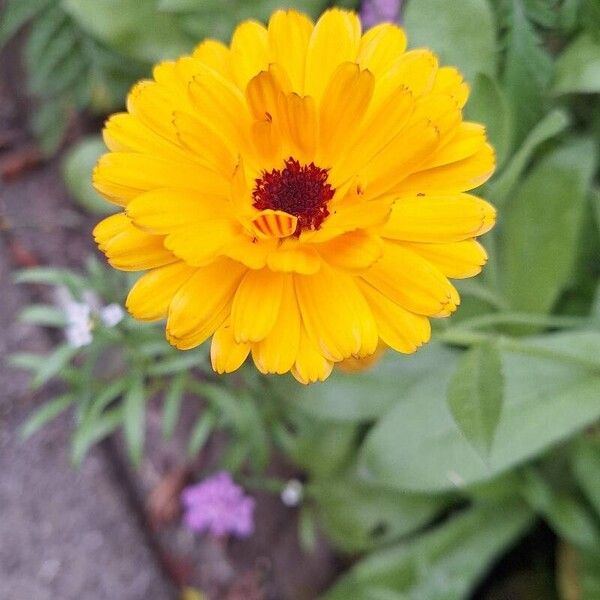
(77, 165)
(444, 563)
(539, 253)
(462, 32)
(578, 67)
(475, 395)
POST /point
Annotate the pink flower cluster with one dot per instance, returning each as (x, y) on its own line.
(219, 507)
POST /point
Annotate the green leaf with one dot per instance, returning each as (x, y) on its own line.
(578, 67)
(200, 433)
(307, 529)
(475, 395)
(134, 28)
(442, 564)
(541, 226)
(52, 276)
(175, 364)
(16, 13)
(53, 364)
(43, 314)
(550, 126)
(77, 173)
(134, 418)
(172, 404)
(568, 517)
(488, 105)
(360, 516)
(95, 431)
(361, 396)
(26, 361)
(527, 70)
(44, 414)
(590, 17)
(417, 445)
(462, 32)
(585, 461)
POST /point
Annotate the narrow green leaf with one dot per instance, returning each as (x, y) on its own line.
(585, 462)
(475, 395)
(17, 13)
(180, 362)
(53, 364)
(200, 433)
(307, 529)
(134, 418)
(172, 404)
(44, 414)
(525, 80)
(26, 361)
(566, 515)
(43, 314)
(51, 276)
(578, 67)
(550, 126)
(442, 564)
(444, 26)
(85, 437)
(539, 253)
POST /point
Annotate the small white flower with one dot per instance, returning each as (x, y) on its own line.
(78, 335)
(112, 314)
(292, 493)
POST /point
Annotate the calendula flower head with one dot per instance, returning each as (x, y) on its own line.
(219, 507)
(298, 195)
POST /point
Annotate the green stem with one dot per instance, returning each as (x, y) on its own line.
(517, 318)
(471, 338)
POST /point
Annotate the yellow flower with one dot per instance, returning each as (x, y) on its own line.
(297, 195)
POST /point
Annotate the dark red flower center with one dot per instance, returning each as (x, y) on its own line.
(299, 190)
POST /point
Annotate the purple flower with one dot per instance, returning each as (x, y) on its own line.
(219, 507)
(374, 12)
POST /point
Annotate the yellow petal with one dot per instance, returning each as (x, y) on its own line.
(217, 100)
(399, 158)
(201, 242)
(412, 282)
(274, 224)
(345, 101)
(380, 47)
(353, 251)
(439, 218)
(289, 33)
(204, 143)
(150, 296)
(460, 176)
(203, 303)
(164, 210)
(466, 140)
(277, 352)
(351, 216)
(311, 366)
(456, 259)
(256, 305)
(250, 251)
(400, 329)
(121, 176)
(334, 40)
(294, 257)
(449, 80)
(297, 118)
(215, 55)
(128, 248)
(125, 133)
(335, 314)
(249, 51)
(226, 355)
(264, 89)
